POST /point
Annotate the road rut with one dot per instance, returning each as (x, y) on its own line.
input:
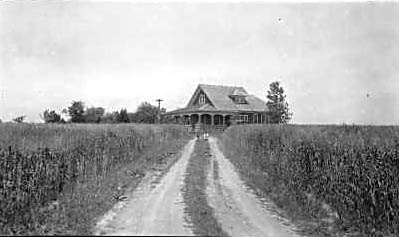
(237, 209)
(158, 208)
(152, 209)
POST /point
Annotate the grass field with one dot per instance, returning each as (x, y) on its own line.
(57, 178)
(330, 180)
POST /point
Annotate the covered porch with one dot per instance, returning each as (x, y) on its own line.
(217, 121)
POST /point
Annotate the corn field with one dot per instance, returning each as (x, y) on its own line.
(37, 162)
(355, 169)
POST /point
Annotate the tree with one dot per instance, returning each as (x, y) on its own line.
(51, 116)
(19, 119)
(146, 113)
(122, 116)
(132, 117)
(279, 111)
(93, 114)
(76, 112)
(110, 117)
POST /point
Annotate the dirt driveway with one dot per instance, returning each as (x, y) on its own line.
(238, 210)
(158, 208)
(152, 209)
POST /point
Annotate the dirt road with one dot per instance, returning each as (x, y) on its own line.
(153, 209)
(158, 208)
(237, 209)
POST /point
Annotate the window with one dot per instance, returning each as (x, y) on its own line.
(239, 99)
(201, 99)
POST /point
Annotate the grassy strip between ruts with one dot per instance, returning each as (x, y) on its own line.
(77, 211)
(194, 193)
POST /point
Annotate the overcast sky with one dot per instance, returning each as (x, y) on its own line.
(338, 62)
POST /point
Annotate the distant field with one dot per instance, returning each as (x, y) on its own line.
(40, 163)
(332, 179)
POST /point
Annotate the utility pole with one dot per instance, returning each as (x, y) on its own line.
(159, 110)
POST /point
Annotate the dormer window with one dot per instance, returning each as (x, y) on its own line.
(241, 100)
(238, 96)
(201, 99)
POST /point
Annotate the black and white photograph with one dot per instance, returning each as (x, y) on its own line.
(199, 118)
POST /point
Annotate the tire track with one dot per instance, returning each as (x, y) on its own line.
(152, 209)
(236, 207)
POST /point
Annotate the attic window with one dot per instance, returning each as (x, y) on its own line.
(241, 100)
(201, 99)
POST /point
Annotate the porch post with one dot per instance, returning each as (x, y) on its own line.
(212, 119)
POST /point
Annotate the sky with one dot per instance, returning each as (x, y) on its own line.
(338, 62)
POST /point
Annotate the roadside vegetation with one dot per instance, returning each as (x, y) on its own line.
(56, 179)
(194, 192)
(78, 112)
(330, 180)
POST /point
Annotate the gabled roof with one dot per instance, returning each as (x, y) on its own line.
(220, 100)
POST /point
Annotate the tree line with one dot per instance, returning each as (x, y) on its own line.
(278, 111)
(79, 113)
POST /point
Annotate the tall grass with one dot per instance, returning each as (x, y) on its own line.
(355, 169)
(37, 162)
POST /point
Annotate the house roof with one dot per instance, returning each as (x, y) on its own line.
(239, 92)
(219, 97)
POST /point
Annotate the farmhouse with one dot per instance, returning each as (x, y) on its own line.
(216, 107)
